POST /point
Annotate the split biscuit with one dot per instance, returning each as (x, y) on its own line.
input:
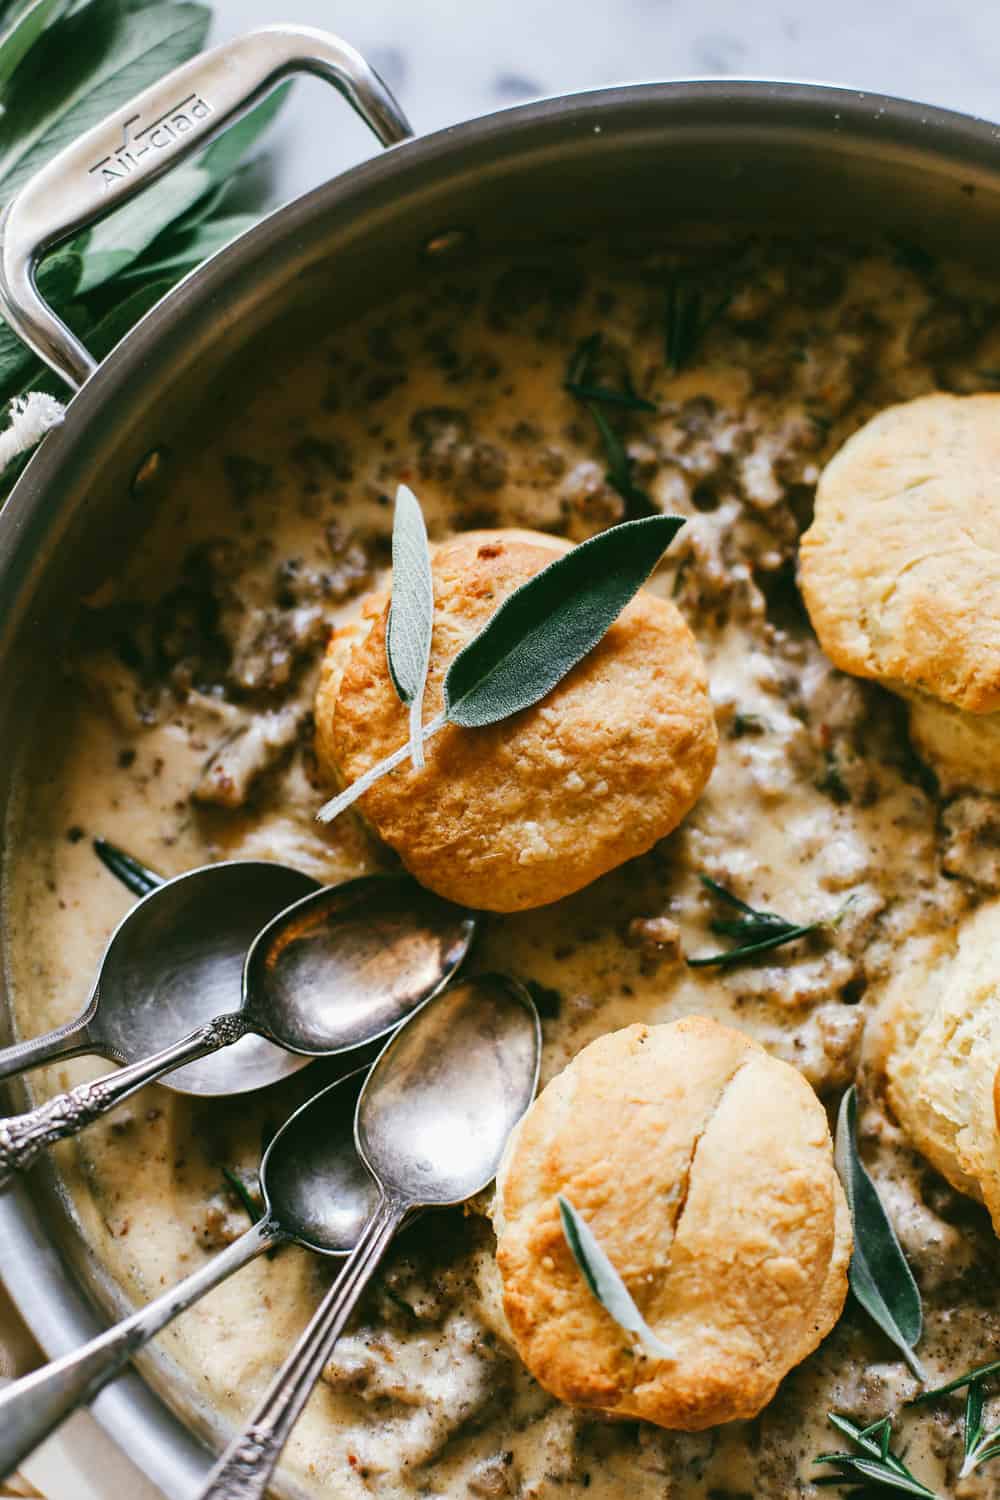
(900, 572)
(526, 811)
(704, 1167)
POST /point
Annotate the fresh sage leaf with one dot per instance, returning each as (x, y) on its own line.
(879, 1274)
(81, 70)
(167, 219)
(548, 625)
(57, 281)
(182, 253)
(109, 331)
(64, 64)
(23, 32)
(224, 155)
(411, 614)
(119, 240)
(605, 1282)
(538, 634)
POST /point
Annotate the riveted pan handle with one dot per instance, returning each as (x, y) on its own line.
(142, 141)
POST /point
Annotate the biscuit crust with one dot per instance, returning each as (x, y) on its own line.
(964, 749)
(705, 1168)
(900, 569)
(942, 1023)
(527, 811)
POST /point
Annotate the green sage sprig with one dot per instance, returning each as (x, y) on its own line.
(411, 614)
(538, 635)
(580, 382)
(605, 1282)
(980, 1445)
(754, 931)
(873, 1464)
(879, 1273)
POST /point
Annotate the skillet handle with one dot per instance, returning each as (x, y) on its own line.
(142, 141)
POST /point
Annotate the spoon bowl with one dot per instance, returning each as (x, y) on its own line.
(177, 959)
(348, 963)
(446, 1090)
(315, 1185)
(337, 969)
(432, 1122)
(316, 1191)
(174, 961)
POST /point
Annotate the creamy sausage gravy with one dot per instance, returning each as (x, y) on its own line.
(180, 727)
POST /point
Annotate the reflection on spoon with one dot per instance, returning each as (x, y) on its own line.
(173, 962)
(316, 1192)
(432, 1122)
(342, 967)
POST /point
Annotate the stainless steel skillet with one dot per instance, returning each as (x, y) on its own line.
(733, 153)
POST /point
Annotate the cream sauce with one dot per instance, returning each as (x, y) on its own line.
(815, 799)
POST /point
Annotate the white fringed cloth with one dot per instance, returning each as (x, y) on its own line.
(30, 418)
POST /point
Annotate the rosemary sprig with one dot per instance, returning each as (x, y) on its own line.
(687, 318)
(874, 1464)
(980, 1445)
(754, 931)
(981, 1372)
(581, 384)
(242, 1192)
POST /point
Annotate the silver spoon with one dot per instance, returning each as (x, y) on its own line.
(316, 1193)
(342, 967)
(433, 1118)
(173, 962)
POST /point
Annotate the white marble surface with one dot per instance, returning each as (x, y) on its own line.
(450, 59)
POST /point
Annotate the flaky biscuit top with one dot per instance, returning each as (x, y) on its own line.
(704, 1167)
(524, 812)
(900, 569)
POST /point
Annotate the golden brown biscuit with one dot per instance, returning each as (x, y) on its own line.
(705, 1168)
(901, 572)
(964, 749)
(524, 812)
(942, 1016)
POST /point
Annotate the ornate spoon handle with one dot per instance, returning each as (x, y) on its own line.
(23, 1136)
(32, 1407)
(245, 1468)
